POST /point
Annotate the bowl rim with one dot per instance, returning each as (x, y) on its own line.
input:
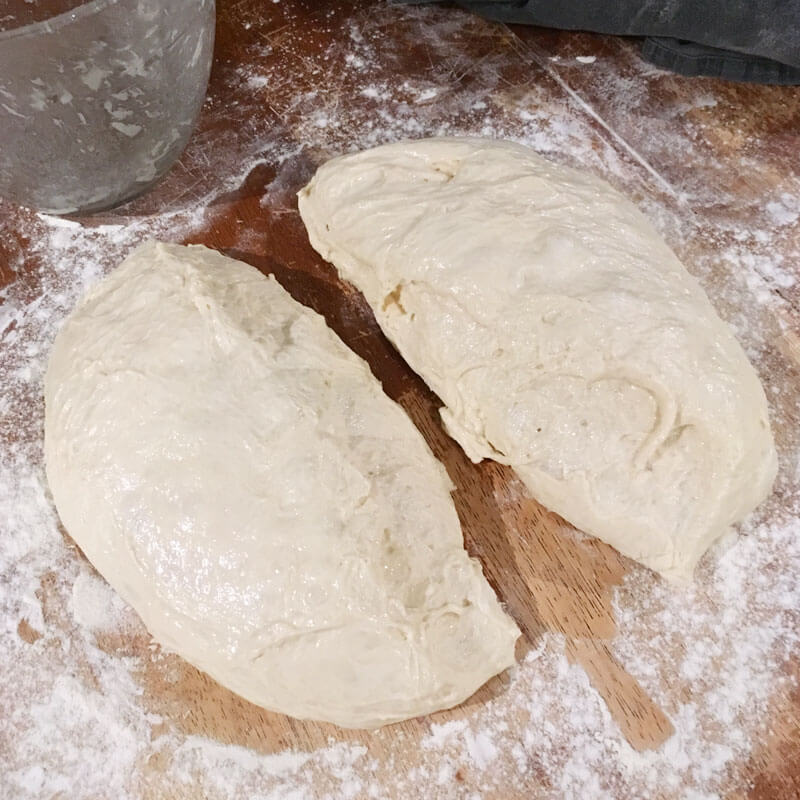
(57, 22)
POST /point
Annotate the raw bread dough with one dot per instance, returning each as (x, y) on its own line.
(239, 476)
(561, 333)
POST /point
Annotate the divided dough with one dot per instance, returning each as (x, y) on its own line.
(561, 333)
(239, 476)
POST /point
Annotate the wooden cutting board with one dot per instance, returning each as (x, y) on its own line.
(294, 84)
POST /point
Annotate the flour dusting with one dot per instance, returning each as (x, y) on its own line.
(94, 604)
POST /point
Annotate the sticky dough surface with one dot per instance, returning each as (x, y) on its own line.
(562, 334)
(239, 476)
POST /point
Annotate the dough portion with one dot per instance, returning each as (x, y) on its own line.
(561, 333)
(239, 476)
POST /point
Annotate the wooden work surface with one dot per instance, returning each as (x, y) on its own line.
(715, 165)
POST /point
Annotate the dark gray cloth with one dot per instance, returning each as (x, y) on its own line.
(688, 58)
(743, 40)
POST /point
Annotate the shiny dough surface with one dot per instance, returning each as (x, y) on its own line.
(239, 476)
(561, 333)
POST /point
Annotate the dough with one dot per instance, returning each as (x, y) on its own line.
(239, 476)
(561, 333)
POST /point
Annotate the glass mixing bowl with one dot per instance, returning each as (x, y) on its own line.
(98, 99)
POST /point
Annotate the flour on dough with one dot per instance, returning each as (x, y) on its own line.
(562, 334)
(239, 476)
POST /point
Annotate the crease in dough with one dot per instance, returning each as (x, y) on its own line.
(240, 478)
(561, 333)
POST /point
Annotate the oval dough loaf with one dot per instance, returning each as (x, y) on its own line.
(561, 333)
(239, 476)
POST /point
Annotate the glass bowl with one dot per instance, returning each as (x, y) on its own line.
(98, 99)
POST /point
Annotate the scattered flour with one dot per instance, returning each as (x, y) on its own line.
(785, 211)
(95, 605)
(440, 734)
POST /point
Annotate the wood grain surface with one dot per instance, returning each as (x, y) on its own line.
(743, 147)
